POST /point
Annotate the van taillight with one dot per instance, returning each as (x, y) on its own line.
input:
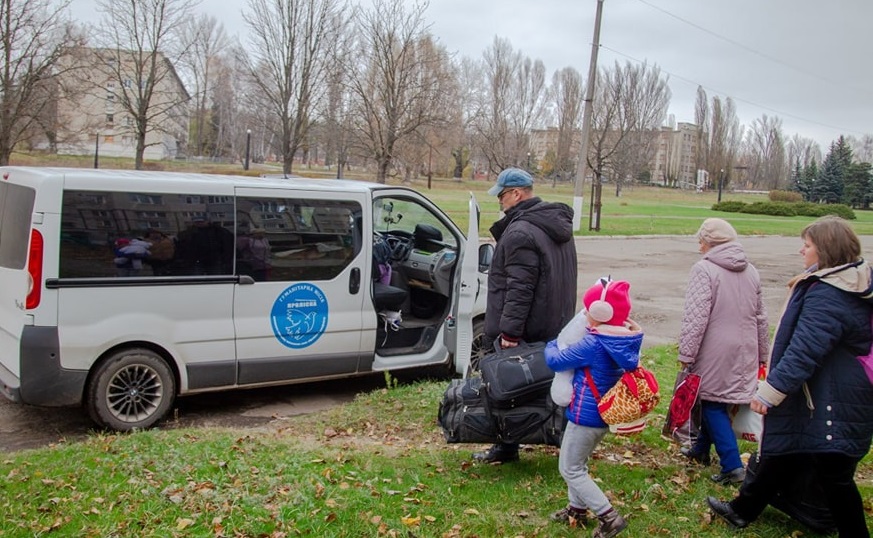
(34, 270)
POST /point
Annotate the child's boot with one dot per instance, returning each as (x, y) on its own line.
(611, 523)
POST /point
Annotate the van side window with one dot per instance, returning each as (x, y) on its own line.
(16, 211)
(129, 234)
(288, 239)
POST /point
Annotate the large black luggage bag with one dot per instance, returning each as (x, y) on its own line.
(801, 498)
(466, 417)
(516, 375)
(463, 414)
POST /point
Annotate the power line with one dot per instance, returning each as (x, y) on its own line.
(738, 99)
(801, 70)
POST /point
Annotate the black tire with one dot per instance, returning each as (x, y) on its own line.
(479, 348)
(132, 389)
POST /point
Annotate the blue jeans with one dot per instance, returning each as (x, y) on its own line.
(716, 430)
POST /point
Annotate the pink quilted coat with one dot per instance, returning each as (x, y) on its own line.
(724, 327)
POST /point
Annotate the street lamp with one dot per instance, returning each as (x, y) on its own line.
(720, 182)
(528, 162)
(248, 148)
(96, 148)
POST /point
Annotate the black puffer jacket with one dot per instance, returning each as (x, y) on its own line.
(825, 326)
(532, 279)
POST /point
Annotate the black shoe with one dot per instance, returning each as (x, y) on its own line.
(724, 511)
(732, 477)
(610, 525)
(703, 459)
(571, 515)
(497, 454)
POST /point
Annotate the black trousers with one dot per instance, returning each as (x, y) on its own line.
(836, 473)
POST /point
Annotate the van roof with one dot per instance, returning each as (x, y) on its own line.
(112, 176)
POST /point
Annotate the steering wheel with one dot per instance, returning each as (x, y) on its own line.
(400, 243)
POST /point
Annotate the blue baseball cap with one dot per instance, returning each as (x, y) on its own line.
(511, 177)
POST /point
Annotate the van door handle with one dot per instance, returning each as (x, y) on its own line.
(355, 281)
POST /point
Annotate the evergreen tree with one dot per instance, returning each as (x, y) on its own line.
(796, 181)
(830, 183)
(807, 180)
(857, 191)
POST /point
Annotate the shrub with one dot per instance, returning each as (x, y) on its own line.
(782, 209)
(731, 206)
(810, 209)
(785, 196)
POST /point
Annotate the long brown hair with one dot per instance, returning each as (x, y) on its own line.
(834, 240)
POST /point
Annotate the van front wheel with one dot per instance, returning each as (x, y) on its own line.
(132, 389)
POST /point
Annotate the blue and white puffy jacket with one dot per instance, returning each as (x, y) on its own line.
(608, 351)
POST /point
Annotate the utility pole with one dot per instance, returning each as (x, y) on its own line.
(582, 166)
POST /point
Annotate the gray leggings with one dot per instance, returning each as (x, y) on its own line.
(576, 446)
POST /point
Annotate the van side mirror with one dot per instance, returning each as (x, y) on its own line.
(486, 252)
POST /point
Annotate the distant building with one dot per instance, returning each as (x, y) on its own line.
(90, 115)
(675, 156)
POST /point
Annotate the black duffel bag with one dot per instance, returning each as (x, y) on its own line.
(516, 375)
(463, 415)
(466, 417)
(538, 422)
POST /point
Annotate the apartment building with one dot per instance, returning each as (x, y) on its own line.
(91, 116)
(673, 162)
(675, 157)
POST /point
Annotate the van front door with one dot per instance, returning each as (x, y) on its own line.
(298, 306)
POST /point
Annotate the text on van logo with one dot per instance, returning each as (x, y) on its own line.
(299, 315)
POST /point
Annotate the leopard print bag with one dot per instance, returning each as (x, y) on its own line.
(633, 397)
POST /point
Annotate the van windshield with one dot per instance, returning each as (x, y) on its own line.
(16, 210)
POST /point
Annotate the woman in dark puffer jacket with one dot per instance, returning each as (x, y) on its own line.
(817, 400)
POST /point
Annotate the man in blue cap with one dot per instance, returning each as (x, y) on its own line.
(532, 279)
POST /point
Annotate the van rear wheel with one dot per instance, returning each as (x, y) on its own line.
(132, 389)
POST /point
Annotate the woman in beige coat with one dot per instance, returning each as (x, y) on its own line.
(724, 340)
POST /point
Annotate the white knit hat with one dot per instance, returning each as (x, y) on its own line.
(716, 231)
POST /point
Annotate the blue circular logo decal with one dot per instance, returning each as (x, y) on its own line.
(299, 315)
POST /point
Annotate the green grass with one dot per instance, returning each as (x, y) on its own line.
(375, 467)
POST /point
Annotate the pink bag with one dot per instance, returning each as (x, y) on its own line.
(867, 360)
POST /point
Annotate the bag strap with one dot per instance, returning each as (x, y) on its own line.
(591, 385)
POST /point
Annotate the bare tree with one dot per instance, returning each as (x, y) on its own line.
(645, 100)
(336, 114)
(230, 107)
(209, 41)
(290, 43)
(701, 118)
(514, 103)
(568, 99)
(726, 135)
(34, 35)
(766, 158)
(140, 38)
(630, 102)
(803, 151)
(398, 81)
(862, 148)
(465, 111)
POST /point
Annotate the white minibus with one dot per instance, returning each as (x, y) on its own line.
(121, 290)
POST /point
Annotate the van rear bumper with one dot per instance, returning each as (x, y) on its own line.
(43, 381)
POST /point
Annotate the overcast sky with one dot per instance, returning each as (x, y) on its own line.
(805, 61)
